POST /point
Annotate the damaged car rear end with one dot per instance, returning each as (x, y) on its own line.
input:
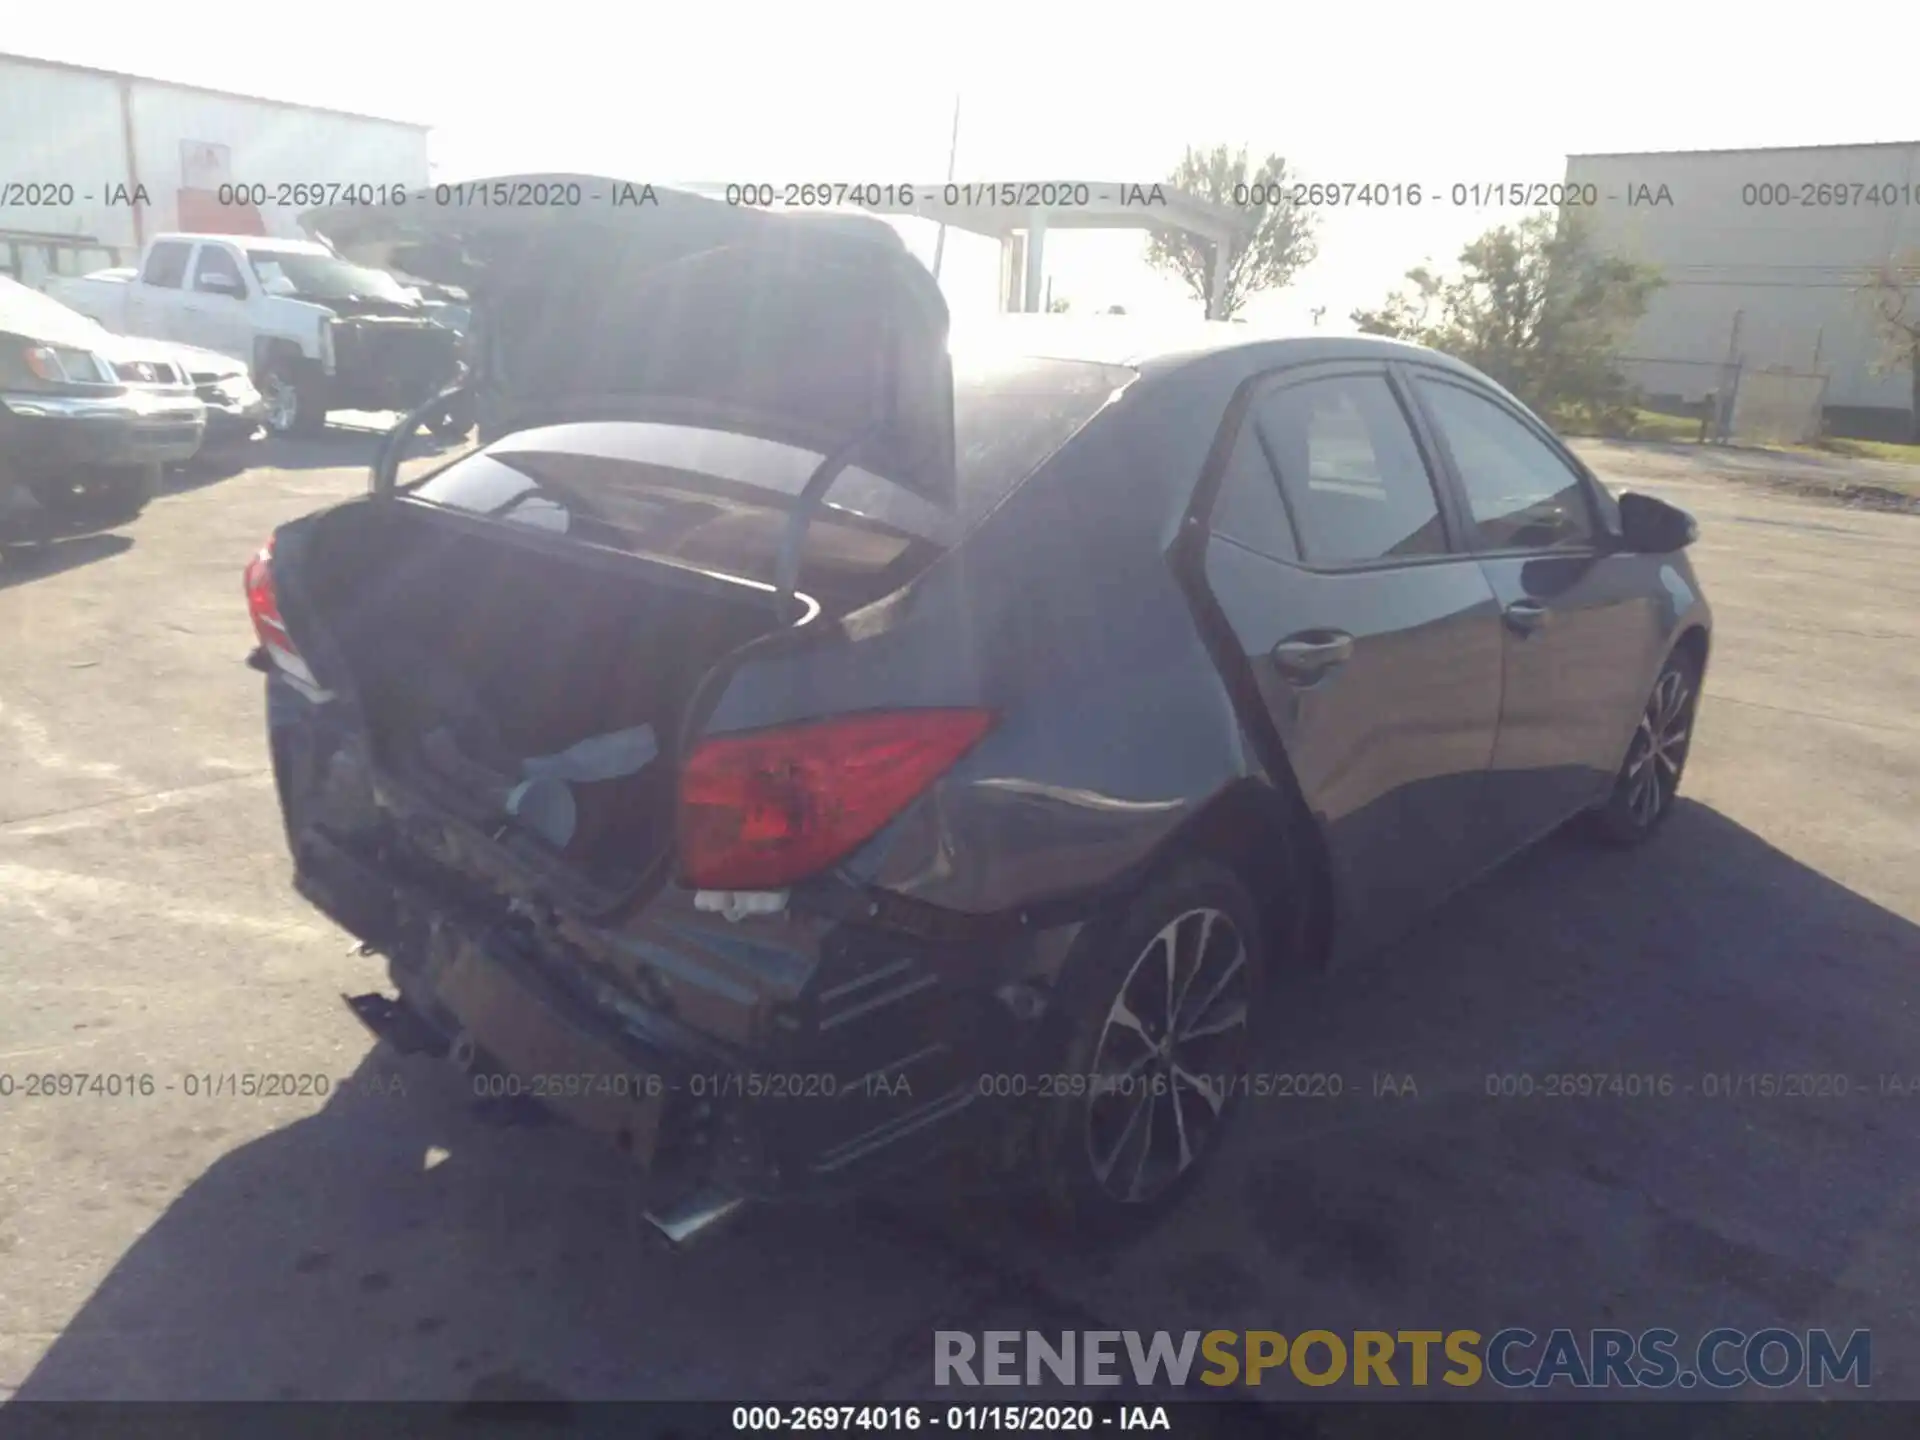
(608, 735)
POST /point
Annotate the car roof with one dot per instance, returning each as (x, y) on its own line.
(247, 242)
(1143, 343)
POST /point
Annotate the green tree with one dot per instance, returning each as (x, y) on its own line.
(1059, 306)
(1891, 291)
(1276, 246)
(1534, 305)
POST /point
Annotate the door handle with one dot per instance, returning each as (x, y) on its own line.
(1527, 616)
(1312, 653)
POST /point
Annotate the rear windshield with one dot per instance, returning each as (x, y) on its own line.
(720, 500)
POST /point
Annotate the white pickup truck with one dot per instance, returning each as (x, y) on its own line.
(319, 332)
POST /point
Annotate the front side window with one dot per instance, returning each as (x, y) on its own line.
(1353, 475)
(166, 264)
(1521, 495)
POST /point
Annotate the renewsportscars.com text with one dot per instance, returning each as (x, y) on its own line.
(1512, 1358)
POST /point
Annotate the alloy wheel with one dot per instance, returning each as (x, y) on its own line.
(1171, 1050)
(1659, 748)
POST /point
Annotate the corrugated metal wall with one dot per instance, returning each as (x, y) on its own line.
(60, 131)
(1726, 245)
(63, 131)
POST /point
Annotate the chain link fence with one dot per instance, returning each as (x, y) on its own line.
(1775, 406)
(1735, 403)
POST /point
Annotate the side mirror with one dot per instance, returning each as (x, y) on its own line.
(1653, 527)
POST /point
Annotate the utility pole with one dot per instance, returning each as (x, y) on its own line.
(953, 151)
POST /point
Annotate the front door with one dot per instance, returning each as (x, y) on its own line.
(1374, 642)
(214, 308)
(1581, 626)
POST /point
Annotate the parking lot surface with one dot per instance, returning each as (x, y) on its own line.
(384, 1240)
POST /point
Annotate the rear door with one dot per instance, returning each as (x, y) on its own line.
(1581, 626)
(1374, 642)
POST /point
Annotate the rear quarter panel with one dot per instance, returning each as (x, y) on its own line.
(1062, 613)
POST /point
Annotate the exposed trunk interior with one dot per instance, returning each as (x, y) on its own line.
(474, 651)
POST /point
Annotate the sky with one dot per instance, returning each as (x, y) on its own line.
(865, 93)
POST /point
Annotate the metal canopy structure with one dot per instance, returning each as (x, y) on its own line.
(1001, 210)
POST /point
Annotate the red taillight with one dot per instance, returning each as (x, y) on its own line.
(263, 605)
(760, 811)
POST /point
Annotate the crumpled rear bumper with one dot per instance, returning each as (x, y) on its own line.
(469, 992)
(804, 1056)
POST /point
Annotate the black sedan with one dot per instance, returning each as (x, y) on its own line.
(789, 836)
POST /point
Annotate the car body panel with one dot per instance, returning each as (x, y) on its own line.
(1064, 617)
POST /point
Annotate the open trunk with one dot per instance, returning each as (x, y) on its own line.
(676, 386)
(482, 657)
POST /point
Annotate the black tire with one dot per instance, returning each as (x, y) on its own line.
(24, 519)
(1115, 1161)
(1649, 778)
(115, 496)
(295, 407)
(101, 494)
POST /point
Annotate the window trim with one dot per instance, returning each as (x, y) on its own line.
(1602, 532)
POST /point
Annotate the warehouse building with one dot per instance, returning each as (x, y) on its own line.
(1764, 254)
(92, 162)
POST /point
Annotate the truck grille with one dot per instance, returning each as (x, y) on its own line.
(389, 351)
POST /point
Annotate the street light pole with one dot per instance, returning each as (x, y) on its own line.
(953, 150)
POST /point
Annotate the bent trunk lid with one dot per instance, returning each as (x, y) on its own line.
(643, 302)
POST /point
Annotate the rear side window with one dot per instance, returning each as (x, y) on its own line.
(166, 264)
(1248, 509)
(1354, 479)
